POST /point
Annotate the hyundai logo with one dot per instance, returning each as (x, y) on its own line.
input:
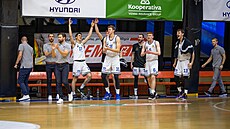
(228, 4)
(65, 1)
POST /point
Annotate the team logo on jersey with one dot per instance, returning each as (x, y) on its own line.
(146, 2)
(65, 1)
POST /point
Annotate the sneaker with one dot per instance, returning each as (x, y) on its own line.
(207, 93)
(50, 98)
(107, 96)
(180, 95)
(118, 98)
(57, 96)
(223, 95)
(184, 97)
(60, 101)
(24, 97)
(133, 97)
(151, 97)
(70, 97)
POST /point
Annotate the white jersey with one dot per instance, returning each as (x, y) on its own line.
(151, 47)
(111, 44)
(79, 51)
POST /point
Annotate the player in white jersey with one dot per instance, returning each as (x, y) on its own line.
(152, 50)
(79, 64)
(184, 58)
(111, 63)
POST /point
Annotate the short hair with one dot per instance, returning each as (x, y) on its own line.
(142, 35)
(150, 33)
(112, 26)
(63, 34)
(50, 34)
(78, 34)
(181, 30)
(215, 39)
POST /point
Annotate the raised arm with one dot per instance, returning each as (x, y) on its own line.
(70, 33)
(90, 33)
(97, 29)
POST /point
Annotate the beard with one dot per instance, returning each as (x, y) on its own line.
(51, 40)
(60, 40)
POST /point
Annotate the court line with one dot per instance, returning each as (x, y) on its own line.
(215, 106)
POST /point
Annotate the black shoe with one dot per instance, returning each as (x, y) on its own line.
(153, 96)
(208, 93)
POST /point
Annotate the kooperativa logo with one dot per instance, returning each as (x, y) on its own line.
(65, 1)
(146, 2)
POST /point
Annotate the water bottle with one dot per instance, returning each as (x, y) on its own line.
(98, 93)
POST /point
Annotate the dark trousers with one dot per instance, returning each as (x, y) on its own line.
(62, 72)
(23, 78)
(49, 69)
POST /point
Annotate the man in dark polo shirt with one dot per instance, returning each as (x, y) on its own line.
(49, 51)
(218, 58)
(138, 64)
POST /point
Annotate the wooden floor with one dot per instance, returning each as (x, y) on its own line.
(167, 113)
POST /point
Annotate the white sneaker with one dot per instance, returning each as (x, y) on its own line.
(57, 96)
(60, 101)
(70, 97)
(25, 97)
(50, 98)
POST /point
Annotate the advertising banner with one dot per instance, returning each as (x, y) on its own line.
(171, 10)
(64, 8)
(216, 10)
(145, 9)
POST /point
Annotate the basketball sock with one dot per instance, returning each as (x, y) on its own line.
(107, 89)
(186, 91)
(179, 89)
(135, 91)
(117, 91)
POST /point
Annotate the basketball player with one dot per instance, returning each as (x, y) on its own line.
(79, 64)
(152, 50)
(138, 63)
(184, 58)
(111, 46)
(102, 39)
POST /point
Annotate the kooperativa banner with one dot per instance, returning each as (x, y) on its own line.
(171, 10)
(216, 10)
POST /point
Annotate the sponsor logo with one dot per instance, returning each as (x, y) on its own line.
(145, 2)
(65, 1)
(228, 4)
(145, 8)
(227, 14)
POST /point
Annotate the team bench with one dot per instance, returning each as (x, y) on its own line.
(165, 78)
